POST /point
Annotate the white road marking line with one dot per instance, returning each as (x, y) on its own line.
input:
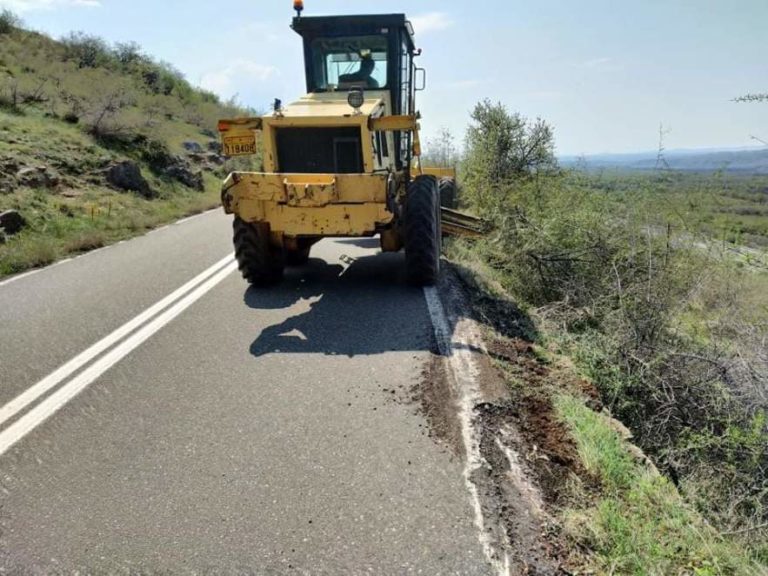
(58, 399)
(465, 373)
(20, 276)
(188, 218)
(54, 378)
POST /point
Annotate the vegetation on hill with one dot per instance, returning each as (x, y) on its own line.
(634, 280)
(97, 143)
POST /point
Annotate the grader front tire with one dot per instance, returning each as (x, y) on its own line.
(422, 231)
(260, 263)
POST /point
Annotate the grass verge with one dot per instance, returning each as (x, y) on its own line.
(60, 226)
(638, 523)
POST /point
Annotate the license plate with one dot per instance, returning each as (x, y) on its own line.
(239, 145)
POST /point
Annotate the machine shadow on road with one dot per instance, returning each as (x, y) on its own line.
(361, 242)
(363, 309)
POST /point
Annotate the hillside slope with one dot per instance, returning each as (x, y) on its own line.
(96, 143)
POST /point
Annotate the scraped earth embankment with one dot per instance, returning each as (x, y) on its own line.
(517, 455)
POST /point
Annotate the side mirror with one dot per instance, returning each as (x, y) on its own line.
(420, 79)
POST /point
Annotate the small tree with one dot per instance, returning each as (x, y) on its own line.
(504, 148)
(752, 98)
(8, 21)
(128, 53)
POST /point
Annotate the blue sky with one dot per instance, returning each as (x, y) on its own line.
(605, 73)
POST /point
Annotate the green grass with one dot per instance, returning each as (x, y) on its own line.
(82, 213)
(75, 107)
(60, 227)
(50, 100)
(639, 524)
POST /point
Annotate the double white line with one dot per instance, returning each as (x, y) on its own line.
(107, 352)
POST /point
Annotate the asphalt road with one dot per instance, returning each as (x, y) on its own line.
(225, 430)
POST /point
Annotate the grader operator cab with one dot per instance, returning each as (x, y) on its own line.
(343, 160)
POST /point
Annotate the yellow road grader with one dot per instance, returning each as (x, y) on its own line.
(343, 160)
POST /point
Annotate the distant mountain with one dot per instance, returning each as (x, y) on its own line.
(745, 160)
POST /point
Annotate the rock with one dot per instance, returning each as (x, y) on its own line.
(215, 158)
(12, 222)
(214, 146)
(9, 165)
(190, 146)
(207, 161)
(7, 184)
(182, 173)
(207, 158)
(126, 175)
(38, 177)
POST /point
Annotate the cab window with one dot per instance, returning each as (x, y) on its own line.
(351, 62)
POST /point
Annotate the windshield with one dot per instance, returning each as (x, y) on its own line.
(344, 63)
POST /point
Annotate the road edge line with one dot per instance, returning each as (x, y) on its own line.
(462, 366)
(21, 275)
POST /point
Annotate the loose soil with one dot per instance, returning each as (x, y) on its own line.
(529, 457)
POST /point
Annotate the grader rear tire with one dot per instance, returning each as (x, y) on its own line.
(260, 263)
(422, 231)
(449, 197)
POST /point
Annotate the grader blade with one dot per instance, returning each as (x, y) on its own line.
(463, 225)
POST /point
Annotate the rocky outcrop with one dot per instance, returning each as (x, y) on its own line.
(190, 146)
(208, 161)
(38, 177)
(126, 175)
(7, 184)
(184, 174)
(12, 222)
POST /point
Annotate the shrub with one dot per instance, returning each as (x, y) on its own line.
(157, 155)
(86, 50)
(504, 149)
(8, 21)
(128, 53)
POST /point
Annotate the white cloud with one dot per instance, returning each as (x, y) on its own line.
(431, 22)
(236, 77)
(32, 5)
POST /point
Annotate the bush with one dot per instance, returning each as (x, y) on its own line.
(157, 156)
(162, 78)
(86, 50)
(128, 53)
(504, 149)
(8, 21)
(616, 290)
